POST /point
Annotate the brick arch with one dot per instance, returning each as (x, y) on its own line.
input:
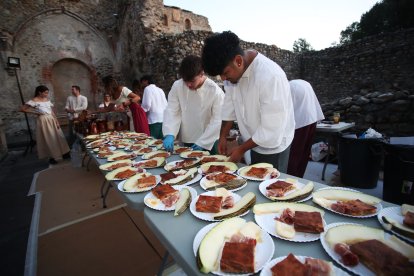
(187, 24)
(67, 72)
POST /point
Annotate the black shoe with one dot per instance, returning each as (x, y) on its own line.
(66, 155)
(52, 161)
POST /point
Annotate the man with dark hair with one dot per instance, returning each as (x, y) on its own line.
(154, 104)
(75, 104)
(194, 107)
(257, 96)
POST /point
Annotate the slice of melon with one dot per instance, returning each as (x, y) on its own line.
(278, 207)
(183, 202)
(407, 208)
(296, 195)
(343, 195)
(285, 230)
(352, 233)
(212, 243)
(241, 206)
(397, 227)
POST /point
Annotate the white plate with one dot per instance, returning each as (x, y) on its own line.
(160, 206)
(209, 216)
(268, 223)
(359, 269)
(172, 164)
(394, 213)
(266, 271)
(121, 185)
(110, 148)
(378, 206)
(297, 184)
(149, 155)
(255, 178)
(203, 182)
(135, 164)
(264, 250)
(186, 153)
(192, 181)
(179, 147)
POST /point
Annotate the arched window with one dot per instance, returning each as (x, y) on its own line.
(187, 24)
(165, 20)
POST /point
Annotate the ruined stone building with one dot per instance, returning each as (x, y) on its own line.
(65, 42)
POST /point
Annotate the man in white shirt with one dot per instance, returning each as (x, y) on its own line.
(257, 96)
(154, 104)
(307, 113)
(75, 104)
(194, 108)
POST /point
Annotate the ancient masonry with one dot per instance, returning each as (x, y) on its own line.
(65, 42)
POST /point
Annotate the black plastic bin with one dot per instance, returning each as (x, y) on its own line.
(399, 174)
(360, 161)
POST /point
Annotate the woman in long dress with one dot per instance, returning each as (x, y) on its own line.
(50, 140)
(124, 98)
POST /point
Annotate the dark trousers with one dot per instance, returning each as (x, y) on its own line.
(300, 150)
(156, 130)
(278, 160)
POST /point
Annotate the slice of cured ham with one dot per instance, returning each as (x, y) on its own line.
(238, 257)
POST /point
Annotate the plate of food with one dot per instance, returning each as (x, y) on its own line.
(194, 154)
(212, 167)
(150, 163)
(106, 154)
(229, 181)
(302, 265)
(259, 172)
(139, 183)
(165, 197)
(154, 142)
(143, 150)
(180, 149)
(181, 164)
(399, 220)
(295, 222)
(287, 190)
(367, 251)
(137, 145)
(221, 204)
(156, 153)
(115, 165)
(104, 148)
(233, 246)
(96, 143)
(180, 177)
(213, 158)
(120, 156)
(347, 202)
(206, 205)
(123, 173)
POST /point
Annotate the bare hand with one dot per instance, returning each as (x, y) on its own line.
(236, 154)
(222, 146)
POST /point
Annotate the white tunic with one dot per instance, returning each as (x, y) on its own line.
(123, 97)
(262, 105)
(78, 104)
(305, 103)
(195, 114)
(154, 103)
(41, 107)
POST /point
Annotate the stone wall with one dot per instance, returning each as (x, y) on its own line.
(176, 20)
(171, 49)
(388, 112)
(378, 63)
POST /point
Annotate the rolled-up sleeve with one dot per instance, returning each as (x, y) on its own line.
(172, 114)
(275, 109)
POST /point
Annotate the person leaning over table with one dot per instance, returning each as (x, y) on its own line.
(257, 96)
(154, 104)
(75, 104)
(126, 100)
(194, 108)
(308, 112)
(50, 140)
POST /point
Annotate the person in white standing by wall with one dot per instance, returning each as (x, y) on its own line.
(75, 104)
(154, 103)
(308, 112)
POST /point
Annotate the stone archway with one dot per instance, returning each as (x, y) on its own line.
(68, 72)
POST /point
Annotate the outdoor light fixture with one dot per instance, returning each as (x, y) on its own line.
(13, 62)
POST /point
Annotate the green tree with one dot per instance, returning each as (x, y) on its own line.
(301, 45)
(384, 16)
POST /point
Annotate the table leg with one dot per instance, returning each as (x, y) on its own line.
(83, 159)
(163, 262)
(105, 195)
(87, 165)
(102, 188)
